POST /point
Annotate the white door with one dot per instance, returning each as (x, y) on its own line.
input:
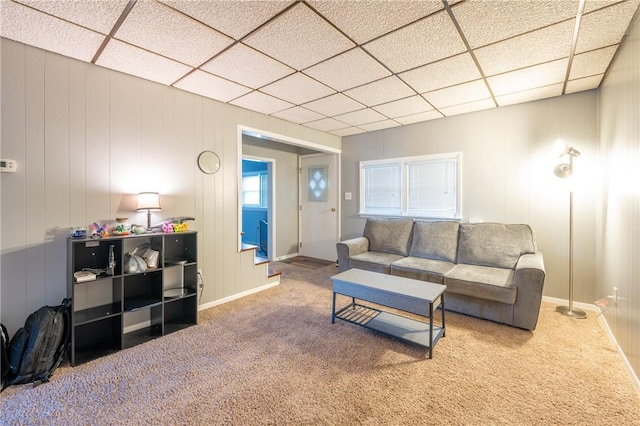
(319, 206)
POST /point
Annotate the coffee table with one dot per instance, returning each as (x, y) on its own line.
(404, 294)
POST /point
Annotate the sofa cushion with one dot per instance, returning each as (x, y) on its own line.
(482, 282)
(422, 269)
(494, 244)
(389, 235)
(435, 240)
(374, 261)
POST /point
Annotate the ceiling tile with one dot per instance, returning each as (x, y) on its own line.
(381, 91)
(235, 18)
(416, 118)
(591, 5)
(470, 107)
(485, 22)
(297, 89)
(379, 125)
(363, 116)
(605, 27)
(334, 105)
(460, 94)
(365, 20)
(97, 15)
(261, 102)
(211, 86)
(153, 26)
(347, 132)
(299, 38)
(426, 41)
(592, 63)
(327, 124)
(38, 29)
(447, 72)
(533, 48)
(347, 70)
(239, 63)
(582, 84)
(129, 59)
(529, 78)
(298, 115)
(407, 106)
(530, 95)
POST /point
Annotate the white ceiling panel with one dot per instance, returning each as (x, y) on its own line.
(605, 27)
(299, 38)
(460, 94)
(298, 115)
(298, 89)
(97, 15)
(38, 29)
(327, 124)
(426, 41)
(129, 59)
(363, 116)
(485, 22)
(448, 72)
(239, 63)
(529, 78)
(366, 20)
(381, 91)
(530, 95)
(581, 84)
(533, 48)
(334, 105)
(470, 107)
(235, 18)
(153, 26)
(592, 63)
(347, 132)
(211, 86)
(347, 70)
(407, 106)
(379, 125)
(261, 102)
(416, 118)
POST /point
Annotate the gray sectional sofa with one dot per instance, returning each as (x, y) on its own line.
(491, 270)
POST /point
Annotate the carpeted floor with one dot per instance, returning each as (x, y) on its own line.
(274, 358)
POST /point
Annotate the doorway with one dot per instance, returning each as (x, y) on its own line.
(258, 204)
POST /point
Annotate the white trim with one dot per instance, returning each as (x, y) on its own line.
(261, 134)
(612, 338)
(237, 296)
(287, 256)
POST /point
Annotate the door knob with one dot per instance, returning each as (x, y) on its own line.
(333, 209)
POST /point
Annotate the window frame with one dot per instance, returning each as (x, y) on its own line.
(263, 191)
(404, 163)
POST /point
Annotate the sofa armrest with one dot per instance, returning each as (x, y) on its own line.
(348, 248)
(529, 281)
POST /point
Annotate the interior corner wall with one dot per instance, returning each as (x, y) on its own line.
(86, 140)
(618, 223)
(507, 175)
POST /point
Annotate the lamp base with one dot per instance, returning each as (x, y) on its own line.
(575, 313)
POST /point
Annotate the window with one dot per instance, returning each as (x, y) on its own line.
(255, 190)
(424, 186)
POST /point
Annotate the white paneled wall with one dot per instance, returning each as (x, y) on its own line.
(87, 140)
(507, 161)
(619, 205)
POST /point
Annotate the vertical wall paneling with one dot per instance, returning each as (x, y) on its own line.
(77, 144)
(34, 172)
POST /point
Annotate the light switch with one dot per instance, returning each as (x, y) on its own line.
(347, 195)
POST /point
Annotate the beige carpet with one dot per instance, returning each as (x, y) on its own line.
(275, 358)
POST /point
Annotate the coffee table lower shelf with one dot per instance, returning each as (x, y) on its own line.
(390, 324)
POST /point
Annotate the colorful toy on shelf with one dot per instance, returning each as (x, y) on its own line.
(121, 227)
(177, 226)
(99, 230)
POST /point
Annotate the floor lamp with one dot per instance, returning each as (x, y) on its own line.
(565, 170)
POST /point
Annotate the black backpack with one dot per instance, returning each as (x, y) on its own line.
(38, 348)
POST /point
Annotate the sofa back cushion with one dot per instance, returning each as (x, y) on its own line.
(494, 244)
(435, 240)
(389, 235)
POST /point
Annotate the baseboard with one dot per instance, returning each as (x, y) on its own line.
(237, 296)
(286, 256)
(605, 324)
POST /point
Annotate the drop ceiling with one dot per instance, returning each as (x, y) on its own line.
(343, 67)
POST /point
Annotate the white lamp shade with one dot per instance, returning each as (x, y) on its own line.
(149, 201)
